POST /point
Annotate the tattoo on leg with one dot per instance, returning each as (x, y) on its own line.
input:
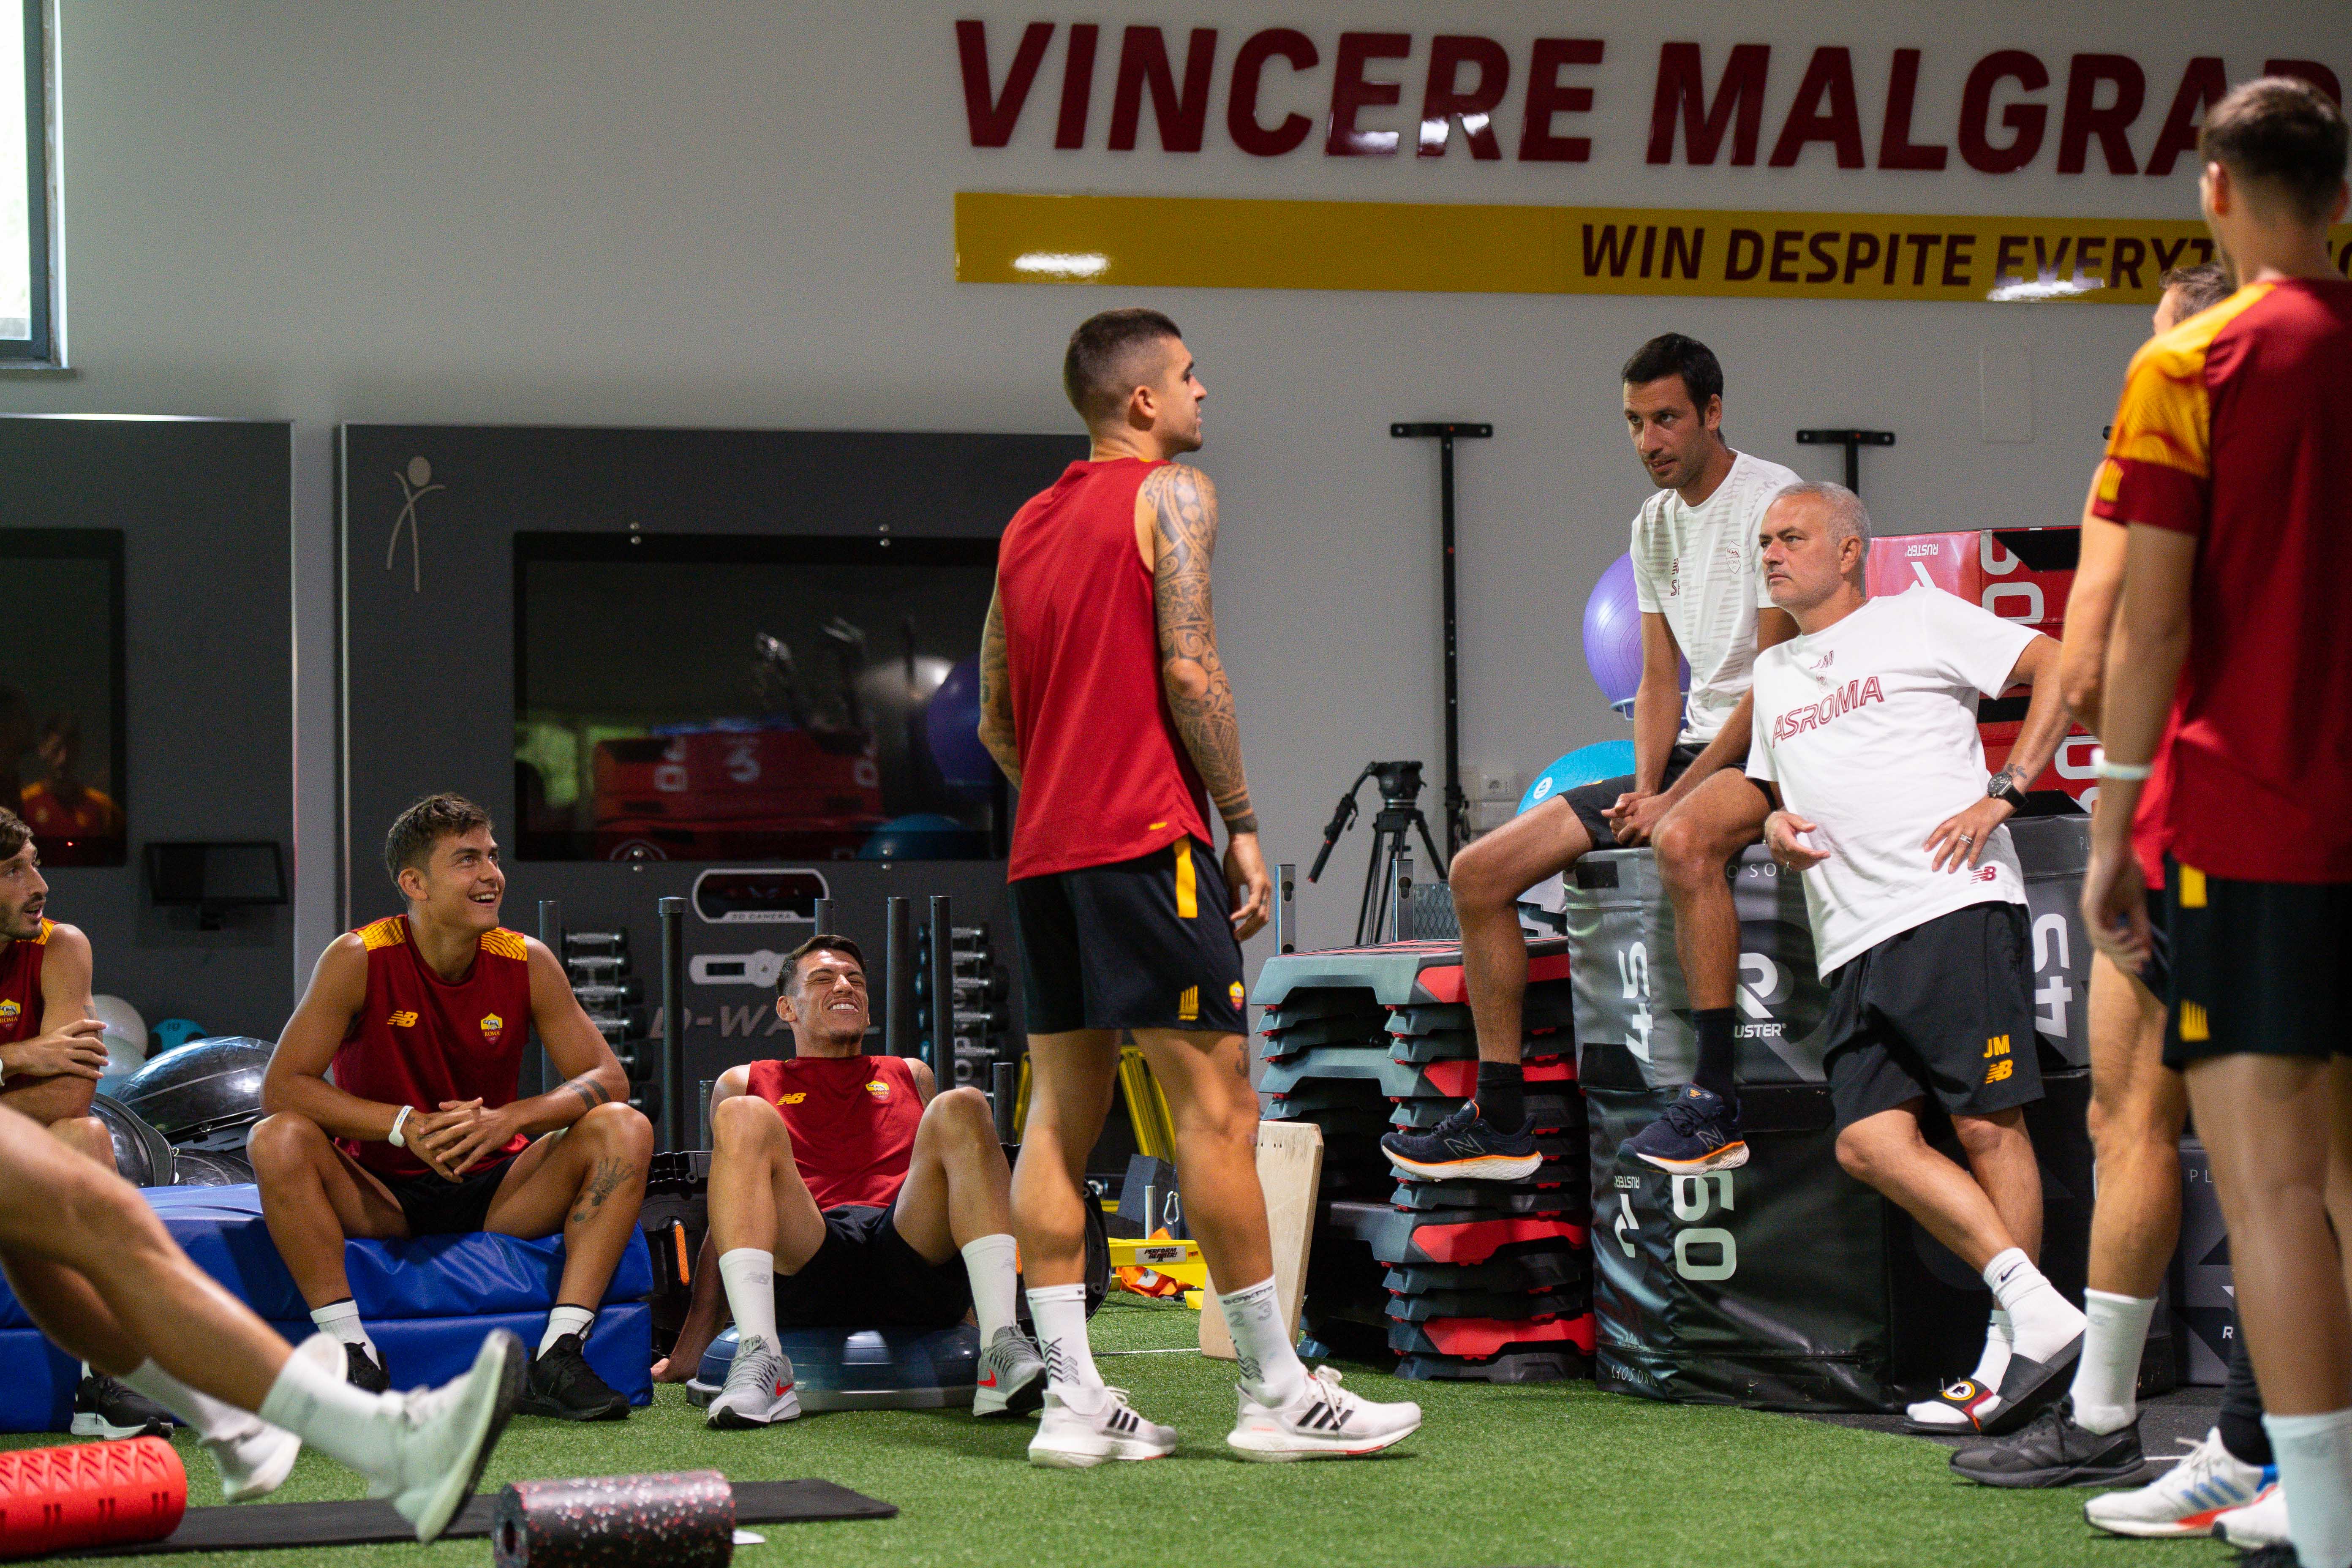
(610, 1174)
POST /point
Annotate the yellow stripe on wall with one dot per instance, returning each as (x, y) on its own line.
(1232, 242)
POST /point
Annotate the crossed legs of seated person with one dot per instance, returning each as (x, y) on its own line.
(97, 1272)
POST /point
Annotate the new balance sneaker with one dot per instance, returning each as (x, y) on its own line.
(253, 1457)
(1071, 1436)
(2051, 1451)
(1959, 1409)
(2260, 1523)
(448, 1434)
(1700, 1132)
(2207, 1482)
(1323, 1421)
(363, 1371)
(562, 1385)
(1463, 1147)
(1012, 1375)
(759, 1390)
(105, 1408)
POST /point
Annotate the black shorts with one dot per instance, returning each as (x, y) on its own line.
(1943, 1009)
(2263, 967)
(864, 1275)
(436, 1207)
(1589, 801)
(1145, 944)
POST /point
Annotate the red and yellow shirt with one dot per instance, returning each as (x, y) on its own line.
(20, 985)
(853, 1121)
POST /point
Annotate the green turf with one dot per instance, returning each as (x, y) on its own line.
(1556, 1474)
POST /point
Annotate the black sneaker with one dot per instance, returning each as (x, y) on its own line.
(2278, 1554)
(2051, 1451)
(1463, 1147)
(103, 1407)
(363, 1371)
(562, 1385)
(1700, 1132)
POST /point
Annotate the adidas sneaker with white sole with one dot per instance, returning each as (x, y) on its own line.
(2207, 1482)
(1071, 1436)
(2261, 1522)
(448, 1434)
(253, 1457)
(1322, 1421)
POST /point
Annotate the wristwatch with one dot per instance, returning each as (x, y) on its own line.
(2002, 785)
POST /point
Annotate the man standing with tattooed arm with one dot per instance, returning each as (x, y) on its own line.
(424, 1017)
(1104, 701)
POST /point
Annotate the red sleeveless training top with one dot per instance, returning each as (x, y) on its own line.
(853, 1122)
(1104, 775)
(20, 985)
(419, 1040)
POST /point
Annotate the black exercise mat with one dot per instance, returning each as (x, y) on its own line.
(263, 1525)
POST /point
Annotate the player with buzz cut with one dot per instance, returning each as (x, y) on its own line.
(424, 1130)
(1104, 699)
(2229, 667)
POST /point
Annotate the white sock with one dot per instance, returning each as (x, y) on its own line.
(750, 1275)
(2106, 1380)
(992, 1263)
(1059, 1314)
(345, 1422)
(1999, 1338)
(211, 1417)
(1271, 1370)
(2042, 1321)
(341, 1319)
(562, 1321)
(2314, 1467)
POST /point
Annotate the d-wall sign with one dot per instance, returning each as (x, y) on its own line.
(1213, 243)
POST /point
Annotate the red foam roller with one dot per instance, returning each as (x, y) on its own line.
(89, 1494)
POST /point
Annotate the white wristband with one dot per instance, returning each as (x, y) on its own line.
(394, 1138)
(2130, 773)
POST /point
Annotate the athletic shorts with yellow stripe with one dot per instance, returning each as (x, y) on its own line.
(1145, 944)
(2259, 967)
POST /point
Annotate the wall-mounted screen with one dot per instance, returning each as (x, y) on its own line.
(61, 691)
(731, 697)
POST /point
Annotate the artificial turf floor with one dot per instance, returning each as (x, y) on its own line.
(1537, 1474)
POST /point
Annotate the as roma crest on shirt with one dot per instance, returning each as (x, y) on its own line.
(878, 1088)
(492, 1027)
(10, 1011)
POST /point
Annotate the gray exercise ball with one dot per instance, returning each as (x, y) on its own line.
(207, 1094)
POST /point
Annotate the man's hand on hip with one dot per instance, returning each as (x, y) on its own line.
(1959, 841)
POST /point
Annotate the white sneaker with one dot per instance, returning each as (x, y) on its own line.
(1323, 1421)
(1012, 1375)
(448, 1433)
(2208, 1480)
(253, 1457)
(1070, 1439)
(2261, 1522)
(759, 1390)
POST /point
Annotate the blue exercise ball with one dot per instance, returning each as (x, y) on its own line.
(862, 1369)
(1584, 765)
(1613, 637)
(951, 725)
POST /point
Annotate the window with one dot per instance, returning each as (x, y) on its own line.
(27, 317)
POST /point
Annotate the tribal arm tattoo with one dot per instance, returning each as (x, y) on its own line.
(591, 1093)
(1185, 509)
(996, 695)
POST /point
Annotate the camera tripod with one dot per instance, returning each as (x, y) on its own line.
(1388, 879)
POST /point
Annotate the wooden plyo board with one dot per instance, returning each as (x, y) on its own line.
(1290, 1169)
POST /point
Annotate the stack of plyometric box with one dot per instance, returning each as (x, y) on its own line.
(1459, 1280)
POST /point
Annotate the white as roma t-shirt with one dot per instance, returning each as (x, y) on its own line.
(1697, 566)
(1869, 728)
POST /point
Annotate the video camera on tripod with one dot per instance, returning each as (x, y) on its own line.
(1388, 879)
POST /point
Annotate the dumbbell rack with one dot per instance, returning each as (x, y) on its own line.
(976, 1037)
(597, 964)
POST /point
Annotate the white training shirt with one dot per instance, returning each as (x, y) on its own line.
(1697, 566)
(1869, 727)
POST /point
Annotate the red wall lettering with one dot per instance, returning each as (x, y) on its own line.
(1547, 96)
(1181, 114)
(2084, 119)
(1682, 99)
(1829, 75)
(1077, 86)
(1242, 122)
(1351, 93)
(1895, 148)
(2202, 86)
(2027, 121)
(993, 117)
(1443, 102)
(2312, 71)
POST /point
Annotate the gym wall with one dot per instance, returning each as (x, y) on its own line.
(203, 506)
(740, 214)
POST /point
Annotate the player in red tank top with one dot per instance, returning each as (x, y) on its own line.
(51, 1056)
(1105, 701)
(845, 1191)
(423, 1018)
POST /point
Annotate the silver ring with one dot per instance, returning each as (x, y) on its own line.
(1968, 838)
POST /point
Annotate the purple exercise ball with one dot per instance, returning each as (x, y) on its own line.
(1612, 637)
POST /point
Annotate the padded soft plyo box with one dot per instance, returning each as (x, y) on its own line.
(427, 1303)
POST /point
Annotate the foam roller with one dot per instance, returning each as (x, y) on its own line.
(682, 1520)
(89, 1494)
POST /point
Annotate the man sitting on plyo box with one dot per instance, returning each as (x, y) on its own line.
(842, 1188)
(1866, 729)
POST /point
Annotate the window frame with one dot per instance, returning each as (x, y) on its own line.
(42, 347)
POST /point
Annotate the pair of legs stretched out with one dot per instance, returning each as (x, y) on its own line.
(96, 1269)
